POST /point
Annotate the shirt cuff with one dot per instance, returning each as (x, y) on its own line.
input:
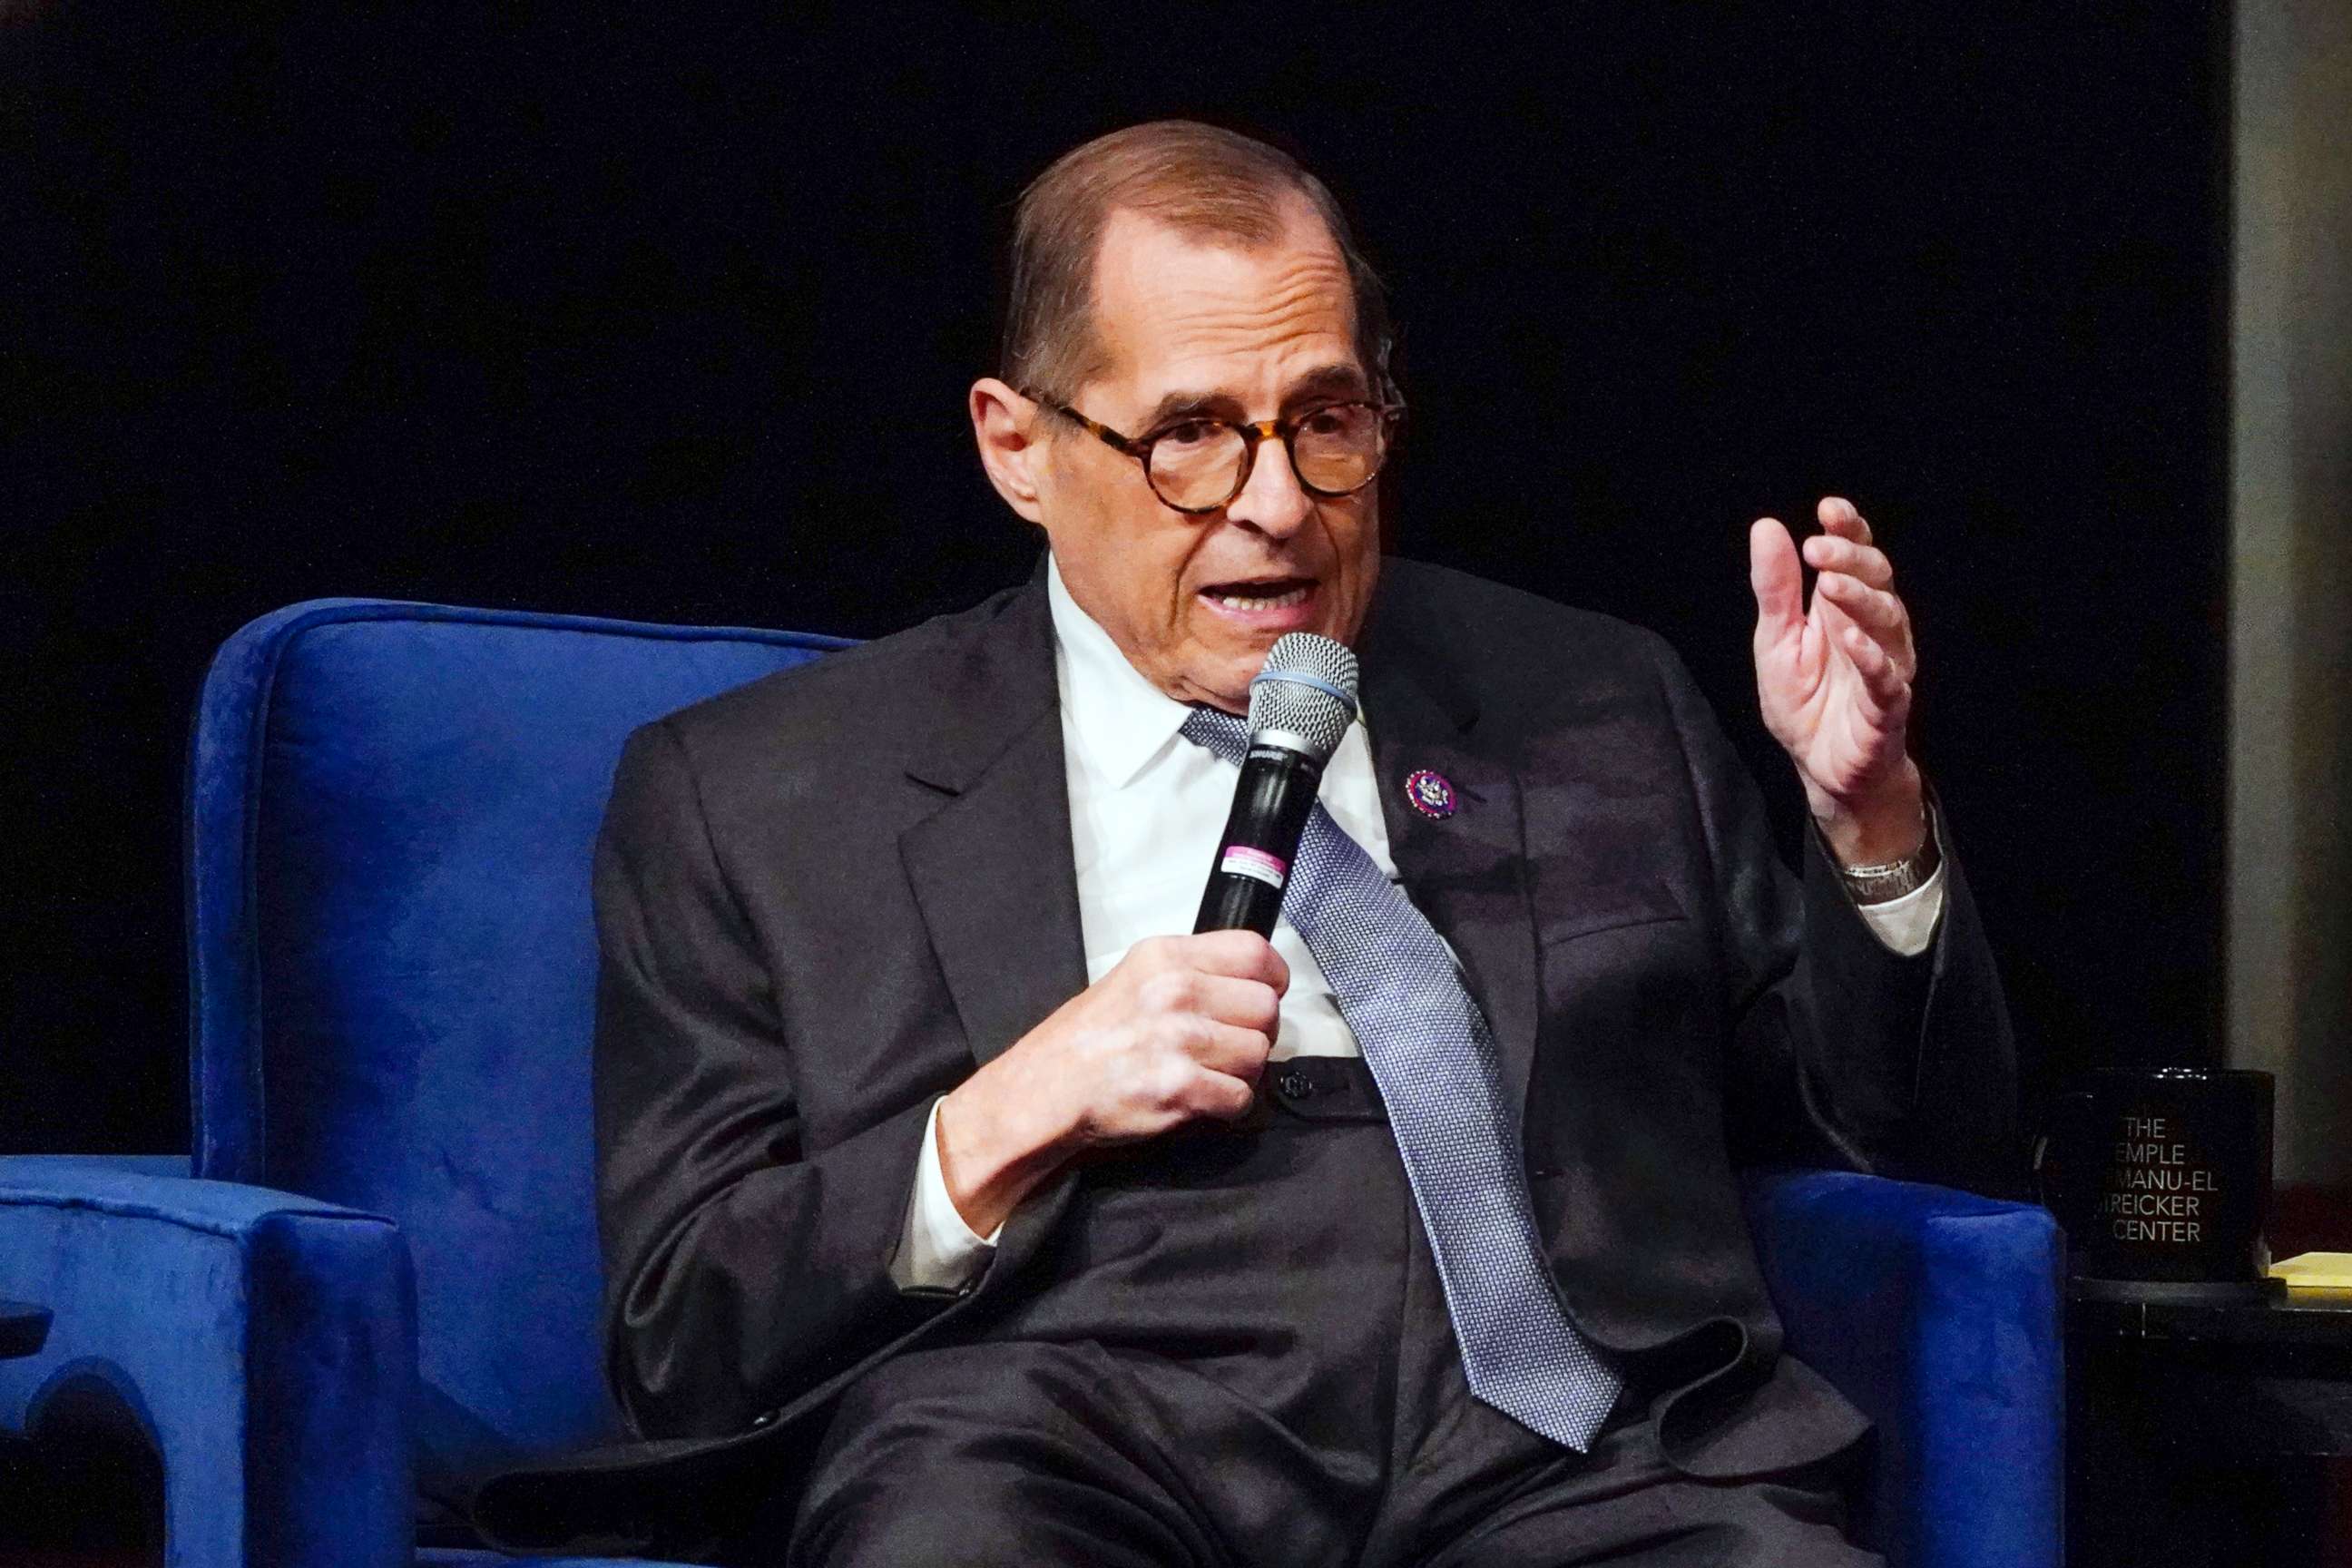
(939, 1251)
(1907, 924)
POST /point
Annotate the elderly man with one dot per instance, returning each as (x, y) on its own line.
(960, 1209)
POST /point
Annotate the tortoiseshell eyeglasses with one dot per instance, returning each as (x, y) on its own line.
(1197, 465)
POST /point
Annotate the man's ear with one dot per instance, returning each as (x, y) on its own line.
(1011, 450)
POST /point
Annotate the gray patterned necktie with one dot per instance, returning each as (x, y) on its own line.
(1432, 1054)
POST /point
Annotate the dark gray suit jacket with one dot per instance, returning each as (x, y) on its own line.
(823, 898)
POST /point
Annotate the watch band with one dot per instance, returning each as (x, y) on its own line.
(1892, 879)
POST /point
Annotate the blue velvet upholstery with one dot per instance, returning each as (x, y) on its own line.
(391, 808)
(1937, 1313)
(264, 1343)
(392, 812)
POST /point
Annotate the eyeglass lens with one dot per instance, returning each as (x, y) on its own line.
(1335, 449)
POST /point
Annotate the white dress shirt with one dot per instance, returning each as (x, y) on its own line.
(1146, 810)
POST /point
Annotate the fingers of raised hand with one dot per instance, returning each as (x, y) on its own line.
(1831, 552)
(1875, 609)
(1857, 577)
(1837, 515)
(1778, 583)
(1885, 688)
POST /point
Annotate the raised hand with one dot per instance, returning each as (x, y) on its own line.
(1834, 680)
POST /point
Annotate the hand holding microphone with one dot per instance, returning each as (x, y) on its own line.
(1179, 1029)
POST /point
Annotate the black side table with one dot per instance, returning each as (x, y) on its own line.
(24, 1329)
(2202, 1433)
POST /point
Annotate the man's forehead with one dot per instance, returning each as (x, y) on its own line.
(1171, 307)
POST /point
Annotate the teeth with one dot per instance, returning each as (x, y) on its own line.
(1281, 600)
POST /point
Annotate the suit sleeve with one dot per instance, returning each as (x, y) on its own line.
(1842, 1049)
(741, 1269)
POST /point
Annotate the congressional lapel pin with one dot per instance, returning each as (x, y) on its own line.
(1430, 794)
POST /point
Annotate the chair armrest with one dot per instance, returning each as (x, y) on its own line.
(264, 1343)
(1937, 1313)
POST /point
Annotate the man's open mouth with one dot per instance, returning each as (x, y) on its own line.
(1261, 596)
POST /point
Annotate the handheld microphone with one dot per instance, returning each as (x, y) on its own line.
(1300, 705)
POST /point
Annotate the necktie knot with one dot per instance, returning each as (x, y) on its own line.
(1219, 732)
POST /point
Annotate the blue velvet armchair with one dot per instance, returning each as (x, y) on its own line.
(376, 1273)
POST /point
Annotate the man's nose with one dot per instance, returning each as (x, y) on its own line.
(1272, 502)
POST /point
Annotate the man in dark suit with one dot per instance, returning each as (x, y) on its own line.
(958, 1208)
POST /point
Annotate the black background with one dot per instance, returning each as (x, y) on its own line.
(668, 313)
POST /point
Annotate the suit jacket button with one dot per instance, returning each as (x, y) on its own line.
(765, 1419)
(1297, 1085)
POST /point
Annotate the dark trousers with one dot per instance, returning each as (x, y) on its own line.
(1239, 1353)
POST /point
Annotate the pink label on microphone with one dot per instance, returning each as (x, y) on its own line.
(1242, 861)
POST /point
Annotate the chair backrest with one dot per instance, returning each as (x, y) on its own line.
(391, 811)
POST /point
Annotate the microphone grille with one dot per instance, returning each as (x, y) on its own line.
(1307, 689)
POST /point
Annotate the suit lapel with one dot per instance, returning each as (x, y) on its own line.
(1466, 872)
(992, 868)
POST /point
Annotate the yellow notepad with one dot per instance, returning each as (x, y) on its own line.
(2315, 1270)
